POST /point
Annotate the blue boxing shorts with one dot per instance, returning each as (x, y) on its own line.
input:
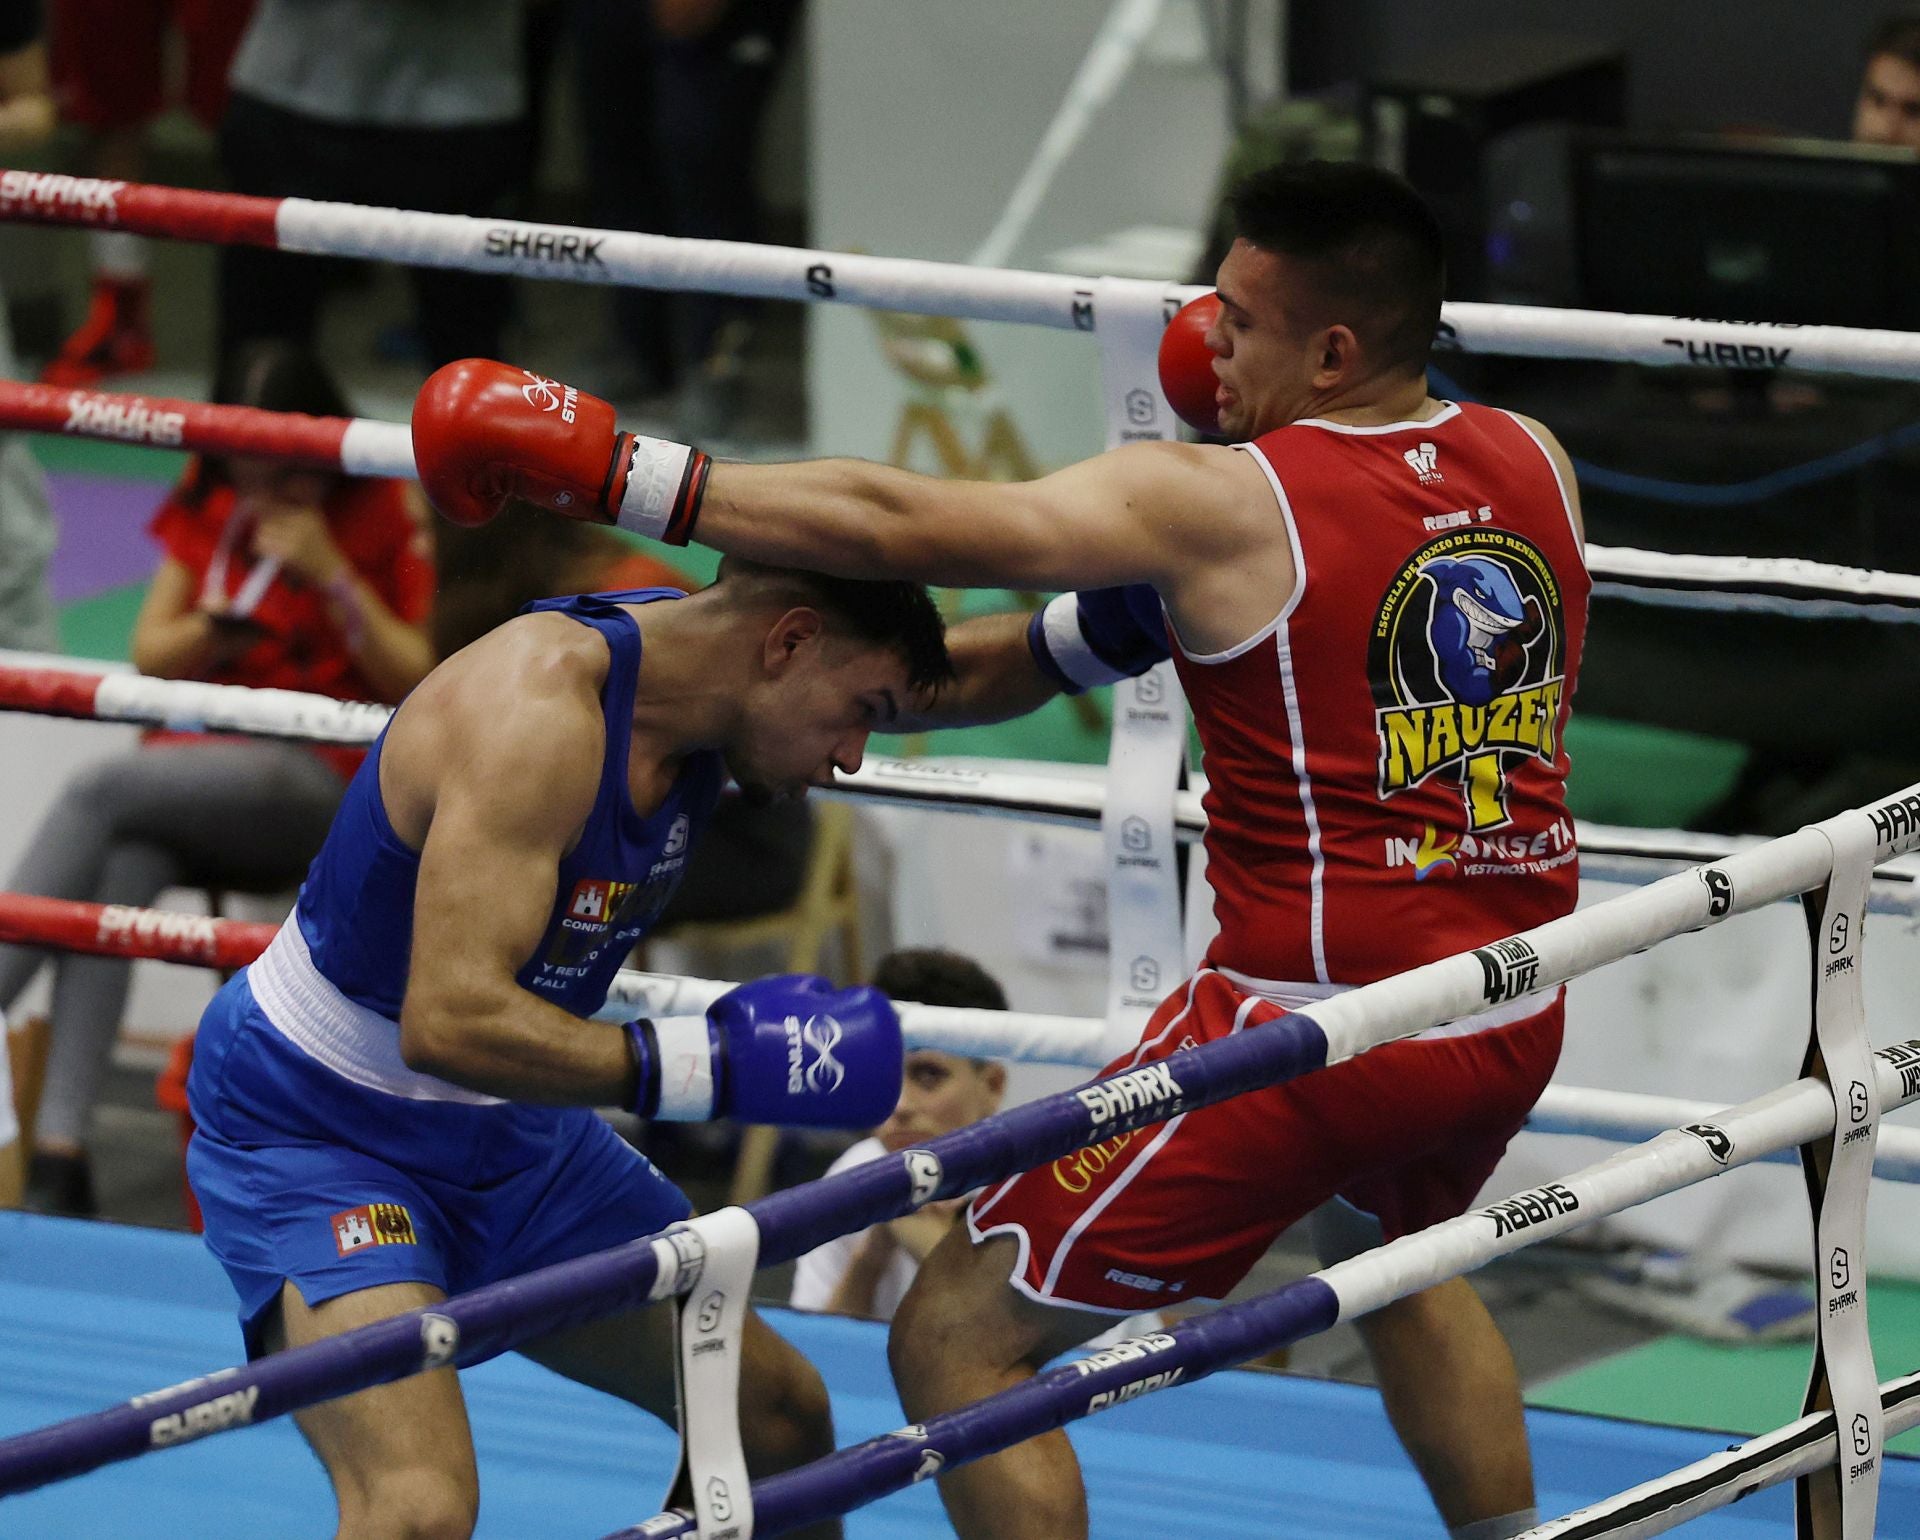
(304, 1175)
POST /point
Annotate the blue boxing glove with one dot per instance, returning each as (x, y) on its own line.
(790, 1050)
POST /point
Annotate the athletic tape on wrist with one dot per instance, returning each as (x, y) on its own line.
(709, 1322)
(664, 485)
(1145, 943)
(1843, 1356)
(686, 1069)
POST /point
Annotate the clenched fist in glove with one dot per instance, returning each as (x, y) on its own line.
(485, 433)
(789, 1049)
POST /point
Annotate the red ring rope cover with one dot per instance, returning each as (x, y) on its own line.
(177, 212)
(116, 930)
(50, 692)
(172, 424)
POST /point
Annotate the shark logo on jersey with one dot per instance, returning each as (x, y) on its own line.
(1468, 669)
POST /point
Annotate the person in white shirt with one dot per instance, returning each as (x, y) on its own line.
(867, 1273)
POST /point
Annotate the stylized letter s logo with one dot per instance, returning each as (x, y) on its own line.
(822, 1034)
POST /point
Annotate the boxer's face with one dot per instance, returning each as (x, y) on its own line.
(816, 699)
(1269, 351)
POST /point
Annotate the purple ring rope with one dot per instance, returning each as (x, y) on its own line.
(476, 1326)
(1186, 1351)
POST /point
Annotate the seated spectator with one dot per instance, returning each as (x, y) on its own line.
(867, 1274)
(270, 576)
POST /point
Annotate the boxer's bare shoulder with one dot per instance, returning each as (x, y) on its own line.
(524, 698)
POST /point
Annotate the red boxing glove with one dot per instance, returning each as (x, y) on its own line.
(485, 433)
(1186, 364)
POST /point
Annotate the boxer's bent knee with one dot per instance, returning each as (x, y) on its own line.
(411, 1503)
(961, 1328)
(786, 1414)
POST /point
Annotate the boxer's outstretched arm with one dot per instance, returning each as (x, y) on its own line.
(1141, 514)
(995, 677)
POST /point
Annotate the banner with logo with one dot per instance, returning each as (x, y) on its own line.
(1146, 944)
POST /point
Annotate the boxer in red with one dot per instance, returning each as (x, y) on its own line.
(1376, 602)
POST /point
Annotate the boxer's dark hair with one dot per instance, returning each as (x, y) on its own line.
(885, 612)
(1897, 35)
(931, 976)
(1377, 248)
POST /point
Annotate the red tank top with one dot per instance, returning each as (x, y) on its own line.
(1386, 759)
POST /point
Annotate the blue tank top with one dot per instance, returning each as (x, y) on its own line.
(355, 909)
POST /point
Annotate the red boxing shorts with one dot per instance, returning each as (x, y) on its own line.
(1408, 1132)
(109, 58)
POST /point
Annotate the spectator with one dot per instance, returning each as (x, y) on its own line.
(109, 65)
(415, 104)
(1887, 110)
(867, 1274)
(26, 518)
(672, 94)
(270, 576)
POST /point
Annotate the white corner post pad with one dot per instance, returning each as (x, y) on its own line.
(707, 1264)
(1146, 941)
(657, 477)
(1836, 916)
(686, 1069)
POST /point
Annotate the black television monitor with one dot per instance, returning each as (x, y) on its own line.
(1795, 230)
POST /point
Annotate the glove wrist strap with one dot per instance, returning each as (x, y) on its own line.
(687, 1075)
(643, 1051)
(655, 487)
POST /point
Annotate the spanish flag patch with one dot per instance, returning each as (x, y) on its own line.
(373, 1224)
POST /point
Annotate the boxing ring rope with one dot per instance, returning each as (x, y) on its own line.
(487, 1321)
(580, 255)
(473, 1327)
(31, 682)
(1798, 1449)
(364, 446)
(1018, 1037)
(118, 930)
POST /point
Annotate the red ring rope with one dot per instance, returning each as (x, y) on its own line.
(116, 930)
(178, 212)
(49, 692)
(171, 424)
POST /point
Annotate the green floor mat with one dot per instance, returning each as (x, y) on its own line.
(102, 626)
(1695, 1384)
(99, 457)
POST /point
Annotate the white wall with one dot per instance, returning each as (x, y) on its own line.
(923, 118)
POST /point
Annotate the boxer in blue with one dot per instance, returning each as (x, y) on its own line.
(394, 1100)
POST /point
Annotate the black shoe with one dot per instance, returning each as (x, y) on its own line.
(59, 1184)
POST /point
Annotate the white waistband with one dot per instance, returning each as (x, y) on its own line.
(1293, 995)
(355, 1043)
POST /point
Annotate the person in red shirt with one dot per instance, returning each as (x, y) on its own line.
(271, 576)
(1376, 602)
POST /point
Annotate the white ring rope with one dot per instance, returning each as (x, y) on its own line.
(1798, 1449)
(1607, 852)
(577, 254)
(1397, 1007)
(1025, 1036)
